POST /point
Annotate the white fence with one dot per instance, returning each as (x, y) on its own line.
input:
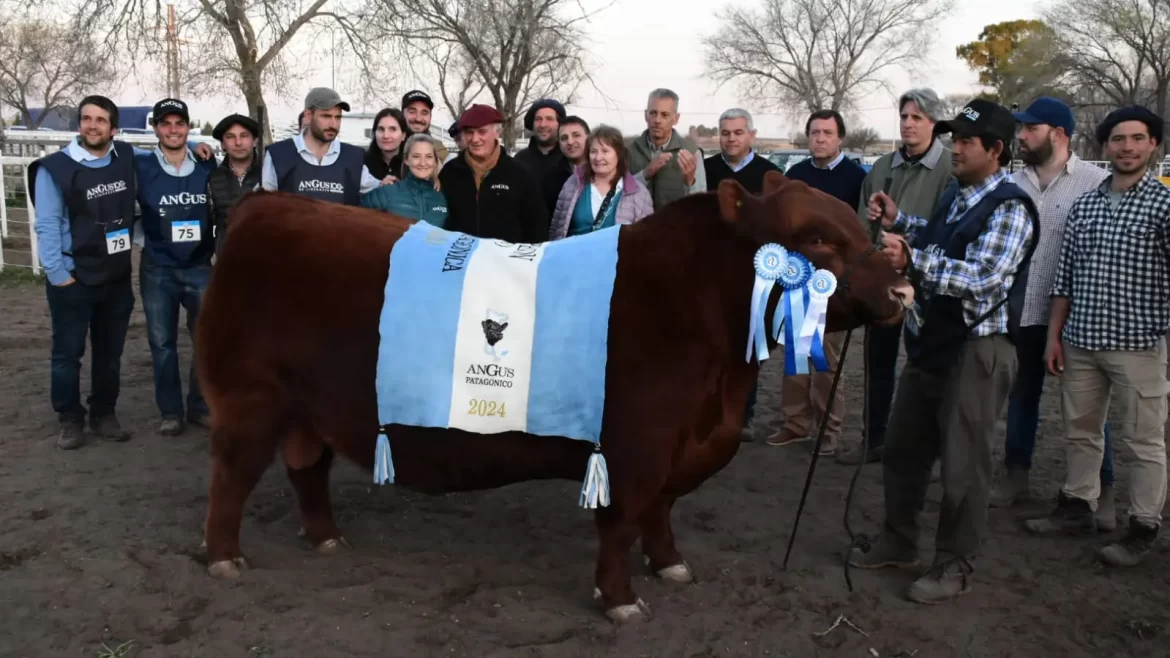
(18, 238)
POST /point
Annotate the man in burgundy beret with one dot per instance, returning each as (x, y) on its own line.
(489, 194)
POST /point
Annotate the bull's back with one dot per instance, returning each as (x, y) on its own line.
(296, 292)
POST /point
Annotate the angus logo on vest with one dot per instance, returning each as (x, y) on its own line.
(105, 189)
(315, 185)
(182, 199)
(935, 250)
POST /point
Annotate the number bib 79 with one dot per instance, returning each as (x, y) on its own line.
(188, 231)
(117, 241)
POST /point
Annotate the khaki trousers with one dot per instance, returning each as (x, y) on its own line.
(1137, 381)
(805, 396)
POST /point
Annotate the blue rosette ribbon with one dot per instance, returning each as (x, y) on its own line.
(790, 312)
(821, 287)
(770, 261)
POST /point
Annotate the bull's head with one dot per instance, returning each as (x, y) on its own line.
(830, 235)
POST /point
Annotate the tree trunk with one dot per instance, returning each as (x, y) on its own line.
(254, 96)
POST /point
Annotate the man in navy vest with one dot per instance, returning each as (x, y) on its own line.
(314, 163)
(176, 258)
(969, 264)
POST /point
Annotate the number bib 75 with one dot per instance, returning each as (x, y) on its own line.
(117, 241)
(188, 231)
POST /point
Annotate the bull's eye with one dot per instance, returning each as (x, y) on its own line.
(818, 240)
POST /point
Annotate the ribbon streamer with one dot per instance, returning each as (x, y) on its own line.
(769, 261)
(799, 320)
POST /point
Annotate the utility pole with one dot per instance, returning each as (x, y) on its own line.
(172, 53)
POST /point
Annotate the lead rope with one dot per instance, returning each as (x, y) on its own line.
(859, 540)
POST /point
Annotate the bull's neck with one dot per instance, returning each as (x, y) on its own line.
(697, 270)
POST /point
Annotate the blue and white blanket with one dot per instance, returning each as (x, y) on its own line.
(488, 336)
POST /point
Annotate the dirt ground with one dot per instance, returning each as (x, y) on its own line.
(99, 555)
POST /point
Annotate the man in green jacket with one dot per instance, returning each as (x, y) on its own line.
(668, 164)
(919, 172)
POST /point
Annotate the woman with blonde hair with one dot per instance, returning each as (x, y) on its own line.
(416, 196)
(601, 192)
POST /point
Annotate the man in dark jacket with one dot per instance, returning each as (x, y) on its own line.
(239, 172)
(542, 156)
(490, 194)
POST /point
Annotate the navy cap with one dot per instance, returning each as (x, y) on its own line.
(1051, 112)
(980, 117)
(169, 106)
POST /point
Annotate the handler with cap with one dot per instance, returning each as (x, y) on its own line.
(968, 264)
(542, 155)
(490, 195)
(239, 172)
(176, 258)
(313, 163)
(1107, 335)
(418, 107)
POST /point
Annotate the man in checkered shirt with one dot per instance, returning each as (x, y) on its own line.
(1054, 177)
(969, 264)
(1110, 315)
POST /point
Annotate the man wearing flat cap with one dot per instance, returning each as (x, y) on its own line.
(1107, 335)
(489, 194)
(313, 163)
(542, 155)
(239, 172)
(417, 107)
(969, 266)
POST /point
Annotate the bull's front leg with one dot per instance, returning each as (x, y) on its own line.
(617, 531)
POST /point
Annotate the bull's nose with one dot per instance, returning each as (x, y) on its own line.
(903, 294)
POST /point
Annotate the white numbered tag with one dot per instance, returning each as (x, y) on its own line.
(117, 241)
(186, 232)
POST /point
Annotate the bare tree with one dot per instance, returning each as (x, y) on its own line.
(860, 138)
(47, 64)
(1118, 51)
(808, 55)
(455, 75)
(230, 45)
(518, 50)
(952, 103)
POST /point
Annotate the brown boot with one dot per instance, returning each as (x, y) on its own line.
(946, 580)
(787, 436)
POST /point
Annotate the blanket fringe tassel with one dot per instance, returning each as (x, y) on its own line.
(595, 490)
(383, 462)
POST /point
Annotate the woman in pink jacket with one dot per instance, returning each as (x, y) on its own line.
(602, 192)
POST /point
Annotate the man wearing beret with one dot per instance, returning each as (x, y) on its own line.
(489, 194)
(542, 156)
(1107, 335)
(239, 172)
(969, 266)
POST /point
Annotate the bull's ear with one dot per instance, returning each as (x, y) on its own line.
(774, 180)
(731, 199)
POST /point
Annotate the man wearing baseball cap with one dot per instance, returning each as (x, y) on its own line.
(1107, 335)
(1054, 177)
(176, 257)
(238, 174)
(489, 194)
(417, 107)
(969, 265)
(313, 163)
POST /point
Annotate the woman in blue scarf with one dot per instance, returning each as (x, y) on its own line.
(416, 195)
(601, 192)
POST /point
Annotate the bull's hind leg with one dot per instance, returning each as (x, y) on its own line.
(617, 531)
(308, 461)
(238, 459)
(658, 542)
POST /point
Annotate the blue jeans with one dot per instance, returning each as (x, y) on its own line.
(104, 312)
(164, 290)
(1024, 406)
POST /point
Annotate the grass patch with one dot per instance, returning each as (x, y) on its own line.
(13, 276)
(120, 651)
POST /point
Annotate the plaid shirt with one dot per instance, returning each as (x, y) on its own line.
(1115, 268)
(1053, 204)
(985, 276)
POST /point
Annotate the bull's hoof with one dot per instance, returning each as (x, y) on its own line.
(332, 546)
(677, 573)
(628, 614)
(227, 569)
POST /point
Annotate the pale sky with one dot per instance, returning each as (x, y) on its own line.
(636, 49)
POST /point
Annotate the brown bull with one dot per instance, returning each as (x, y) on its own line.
(288, 337)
